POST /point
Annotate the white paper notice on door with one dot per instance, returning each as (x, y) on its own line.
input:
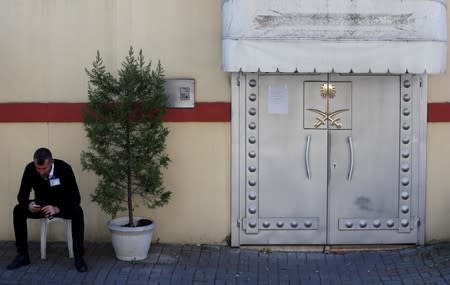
(278, 100)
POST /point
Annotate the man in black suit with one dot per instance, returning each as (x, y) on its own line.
(56, 195)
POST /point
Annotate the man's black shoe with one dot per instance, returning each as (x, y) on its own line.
(80, 265)
(19, 261)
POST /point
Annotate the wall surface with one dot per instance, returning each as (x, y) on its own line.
(45, 47)
(438, 159)
(47, 44)
(438, 186)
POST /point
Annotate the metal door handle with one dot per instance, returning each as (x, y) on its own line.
(307, 161)
(350, 171)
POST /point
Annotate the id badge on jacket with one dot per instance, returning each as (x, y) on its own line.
(55, 182)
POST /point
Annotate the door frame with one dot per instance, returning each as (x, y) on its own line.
(419, 87)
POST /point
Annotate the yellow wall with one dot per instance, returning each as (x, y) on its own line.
(198, 176)
(45, 46)
(438, 161)
(438, 186)
(439, 85)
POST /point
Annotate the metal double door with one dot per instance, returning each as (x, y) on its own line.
(327, 159)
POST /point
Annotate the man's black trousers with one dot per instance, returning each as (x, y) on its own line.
(75, 213)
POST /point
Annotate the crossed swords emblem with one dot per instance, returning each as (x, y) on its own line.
(326, 116)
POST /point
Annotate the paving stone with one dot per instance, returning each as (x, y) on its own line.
(217, 264)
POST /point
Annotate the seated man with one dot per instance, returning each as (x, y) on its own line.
(56, 195)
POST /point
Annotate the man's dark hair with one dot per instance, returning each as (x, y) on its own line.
(41, 155)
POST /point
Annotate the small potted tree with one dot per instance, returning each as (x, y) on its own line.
(127, 147)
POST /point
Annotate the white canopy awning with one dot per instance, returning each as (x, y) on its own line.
(360, 36)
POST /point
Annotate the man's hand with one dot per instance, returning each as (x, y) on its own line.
(50, 210)
(33, 208)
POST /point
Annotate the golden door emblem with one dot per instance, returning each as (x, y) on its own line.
(328, 91)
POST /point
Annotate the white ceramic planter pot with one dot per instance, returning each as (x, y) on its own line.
(130, 243)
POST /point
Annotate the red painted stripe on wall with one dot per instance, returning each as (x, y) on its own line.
(202, 112)
(72, 113)
(438, 112)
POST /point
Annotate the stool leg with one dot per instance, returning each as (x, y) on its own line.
(69, 237)
(43, 238)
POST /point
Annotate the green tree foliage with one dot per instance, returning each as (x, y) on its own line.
(127, 139)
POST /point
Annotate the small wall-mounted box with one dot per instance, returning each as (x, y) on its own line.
(180, 93)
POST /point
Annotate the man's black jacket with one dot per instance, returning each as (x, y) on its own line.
(65, 195)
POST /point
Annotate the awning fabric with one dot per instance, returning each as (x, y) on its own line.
(360, 36)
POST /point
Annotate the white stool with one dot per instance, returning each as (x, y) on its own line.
(44, 227)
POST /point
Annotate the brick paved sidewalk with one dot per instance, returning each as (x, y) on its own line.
(211, 264)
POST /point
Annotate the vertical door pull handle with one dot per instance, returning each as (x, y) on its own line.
(352, 157)
(307, 159)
